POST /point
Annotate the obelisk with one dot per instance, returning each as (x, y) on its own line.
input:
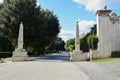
(20, 54)
(20, 37)
(77, 38)
(77, 54)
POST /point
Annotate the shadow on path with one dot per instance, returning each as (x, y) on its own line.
(53, 57)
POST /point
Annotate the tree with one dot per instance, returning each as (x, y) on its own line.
(68, 43)
(71, 48)
(90, 40)
(40, 26)
(82, 35)
(5, 45)
(56, 45)
(83, 43)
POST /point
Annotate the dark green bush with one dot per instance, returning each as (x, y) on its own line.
(71, 48)
(6, 47)
(115, 54)
(5, 54)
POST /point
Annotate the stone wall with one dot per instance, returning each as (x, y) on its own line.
(108, 31)
(115, 29)
(103, 32)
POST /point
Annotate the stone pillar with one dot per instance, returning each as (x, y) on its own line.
(77, 55)
(20, 54)
(77, 38)
(104, 33)
(20, 37)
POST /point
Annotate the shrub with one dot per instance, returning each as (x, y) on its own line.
(5, 54)
(71, 48)
(6, 47)
(115, 54)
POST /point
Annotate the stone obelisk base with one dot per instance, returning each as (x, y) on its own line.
(19, 55)
(77, 56)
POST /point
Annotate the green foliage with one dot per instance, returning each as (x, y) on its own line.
(40, 26)
(82, 35)
(84, 45)
(6, 48)
(5, 45)
(68, 43)
(106, 60)
(92, 41)
(71, 48)
(56, 46)
(115, 54)
(5, 54)
(87, 41)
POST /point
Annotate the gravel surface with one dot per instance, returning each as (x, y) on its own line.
(101, 70)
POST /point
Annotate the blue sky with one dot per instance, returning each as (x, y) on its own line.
(69, 11)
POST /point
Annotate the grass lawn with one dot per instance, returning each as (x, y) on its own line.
(105, 60)
(0, 62)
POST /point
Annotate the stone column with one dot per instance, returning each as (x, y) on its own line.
(20, 54)
(77, 38)
(77, 55)
(104, 33)
(20, 37)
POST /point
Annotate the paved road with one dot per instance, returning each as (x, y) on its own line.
(54, 67)
(58, 67)
(61, 57)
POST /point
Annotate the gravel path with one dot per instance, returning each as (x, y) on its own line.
(101, 70)
(58, 67)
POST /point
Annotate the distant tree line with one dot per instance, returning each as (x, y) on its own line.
(41, 27)
(88, 41)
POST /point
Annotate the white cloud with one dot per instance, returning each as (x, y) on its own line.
(38, 4)
(85, 25)
(1, 1)
(67, 34)
(91, 5)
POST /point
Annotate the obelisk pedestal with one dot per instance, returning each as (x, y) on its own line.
(77, 55)
(20, 54)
